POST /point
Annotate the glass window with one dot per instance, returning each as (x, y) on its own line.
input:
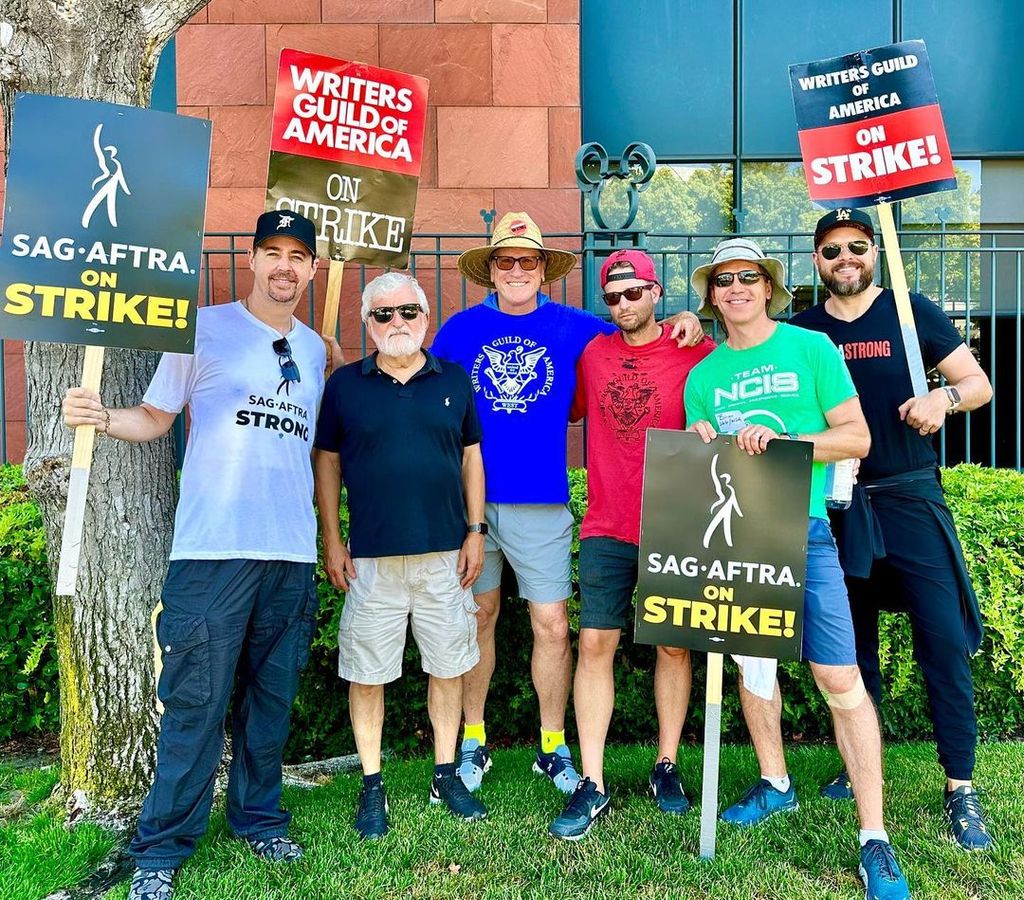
(935, 228)
(684, 212)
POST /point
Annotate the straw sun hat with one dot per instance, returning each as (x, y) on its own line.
(516, 229)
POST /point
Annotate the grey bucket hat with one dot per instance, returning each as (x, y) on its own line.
(742, 248)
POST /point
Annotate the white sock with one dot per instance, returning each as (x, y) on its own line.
(866, 834)
(780, 783)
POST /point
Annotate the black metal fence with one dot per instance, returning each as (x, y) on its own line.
(975, 276)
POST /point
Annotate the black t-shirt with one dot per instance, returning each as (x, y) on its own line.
(873, 349)
(401, 454)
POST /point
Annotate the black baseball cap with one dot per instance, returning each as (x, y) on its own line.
(843, 217)
(288, 223)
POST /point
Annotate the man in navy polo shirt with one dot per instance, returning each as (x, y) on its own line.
(897, 542)
(400, 427)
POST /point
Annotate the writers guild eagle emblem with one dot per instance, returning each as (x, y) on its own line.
(630, 404)
(513, 377)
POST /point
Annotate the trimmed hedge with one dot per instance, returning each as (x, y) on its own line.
(988, 505)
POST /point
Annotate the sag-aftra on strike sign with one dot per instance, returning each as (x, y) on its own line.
(346, 151)
(870, 127)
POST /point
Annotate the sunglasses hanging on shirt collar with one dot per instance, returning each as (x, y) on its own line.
(289, 369)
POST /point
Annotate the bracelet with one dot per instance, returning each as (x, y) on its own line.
(106, 429)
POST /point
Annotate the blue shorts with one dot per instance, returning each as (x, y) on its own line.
(828, 628)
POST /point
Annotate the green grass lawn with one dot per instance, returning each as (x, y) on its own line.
(635, 852)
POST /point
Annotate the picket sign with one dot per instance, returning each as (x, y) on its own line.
(78, 486)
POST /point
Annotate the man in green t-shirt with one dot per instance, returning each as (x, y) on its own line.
(768, 381)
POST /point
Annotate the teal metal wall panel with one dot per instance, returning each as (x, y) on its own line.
(165, 88)
(776, 35)
(978, 68)
(658, 71)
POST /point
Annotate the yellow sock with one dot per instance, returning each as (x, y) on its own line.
(550, 740)
(475, 731)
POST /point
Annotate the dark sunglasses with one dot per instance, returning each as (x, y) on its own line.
(632, 294)
(747, 276)
(508, 263)
(289, 370)
(384, 314)
(832, 251)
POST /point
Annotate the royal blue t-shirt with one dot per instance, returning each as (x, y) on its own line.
(401, 449)
(523, 370)
(873, 349)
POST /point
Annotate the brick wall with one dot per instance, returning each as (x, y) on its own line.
(504, 120)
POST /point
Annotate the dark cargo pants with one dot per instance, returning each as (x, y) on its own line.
(227, 625)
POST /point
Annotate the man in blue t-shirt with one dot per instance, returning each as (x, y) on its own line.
(898, 544)
(520, 351)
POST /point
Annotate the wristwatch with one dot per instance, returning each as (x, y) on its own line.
(954, 398)
(477, 528)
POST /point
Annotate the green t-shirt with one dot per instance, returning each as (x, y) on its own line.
(787, 383)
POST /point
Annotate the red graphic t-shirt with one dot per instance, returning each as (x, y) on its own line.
(623, 391)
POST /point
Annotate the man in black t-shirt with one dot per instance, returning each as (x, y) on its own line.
(897, 542)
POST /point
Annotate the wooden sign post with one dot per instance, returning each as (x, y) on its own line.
(712, 755)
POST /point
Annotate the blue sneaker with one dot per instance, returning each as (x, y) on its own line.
(839, 788)
(586, 805)
(966, 820)
(474, 761)
(559, 768)
(668, 789)
(453, 793)
(760, 802)
(881, 874)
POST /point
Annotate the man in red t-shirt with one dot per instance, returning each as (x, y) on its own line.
(626, 383)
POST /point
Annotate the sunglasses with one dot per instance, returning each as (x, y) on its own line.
(508, 263)
(632, 294)
(747, 276)
(289, 370)
(384, 314)
(832, 251)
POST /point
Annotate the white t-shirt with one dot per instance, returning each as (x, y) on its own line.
(247, 480)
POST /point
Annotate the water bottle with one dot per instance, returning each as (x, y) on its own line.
(839, 483)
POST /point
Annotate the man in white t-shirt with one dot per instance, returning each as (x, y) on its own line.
(239, 598)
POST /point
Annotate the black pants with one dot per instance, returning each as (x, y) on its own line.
(918, 574)
(226, 625)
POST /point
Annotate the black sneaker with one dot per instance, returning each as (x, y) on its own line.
(966, 819)
(372, 815)
(667, 789)
(276, 849)
(152, 884)
(585, 807)
(453, 793)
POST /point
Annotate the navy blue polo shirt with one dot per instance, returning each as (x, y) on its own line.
(401, 454)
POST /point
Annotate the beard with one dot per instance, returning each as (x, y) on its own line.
(399, 345)
(849, 288)
(639, 324)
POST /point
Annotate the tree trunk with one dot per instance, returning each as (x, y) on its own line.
(99, 50)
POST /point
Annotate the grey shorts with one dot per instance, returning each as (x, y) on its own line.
(536, 539)
(389, 590)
